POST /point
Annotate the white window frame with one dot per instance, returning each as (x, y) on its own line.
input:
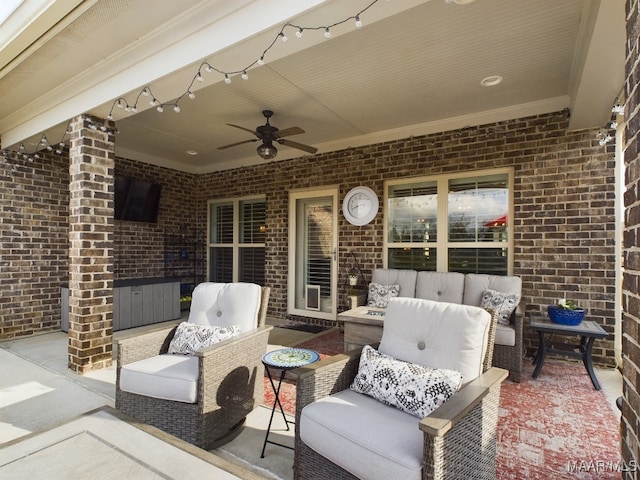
(235, 245)
(442, 244)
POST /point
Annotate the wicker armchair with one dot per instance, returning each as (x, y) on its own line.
(229, 384)
(459, 438)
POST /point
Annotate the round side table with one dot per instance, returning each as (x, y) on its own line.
(284, 359)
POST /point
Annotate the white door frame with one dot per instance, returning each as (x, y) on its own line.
(294, 243)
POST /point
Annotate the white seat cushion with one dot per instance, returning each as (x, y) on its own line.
(170, 377)
(437, 334)
(505, 335)
(340, 428)
(440, 286)
(225, 304)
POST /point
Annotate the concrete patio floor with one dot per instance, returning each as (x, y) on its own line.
(38, 392)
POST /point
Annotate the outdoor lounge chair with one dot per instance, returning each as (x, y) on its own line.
(343, 434)
(201, 398)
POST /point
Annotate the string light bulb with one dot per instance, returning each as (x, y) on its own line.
(283, 37)
(358, 22)
(299, 33)
(191, 95)
(260, 61)
(176, 108)
(327, 33)
(160, 109)
(227, 80)
(199, 77)
(244, 75)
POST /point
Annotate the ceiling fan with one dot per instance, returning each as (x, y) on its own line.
(269, 134)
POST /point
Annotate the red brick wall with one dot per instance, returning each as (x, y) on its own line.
(34, 243)
(139, 246)
(563, 227)
(631, 280)
(564, 202)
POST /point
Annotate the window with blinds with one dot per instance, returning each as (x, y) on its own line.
(450, 223)
(237, 230)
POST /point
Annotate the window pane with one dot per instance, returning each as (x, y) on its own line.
(412, 258)
(251, 265)
(221, 264)
(319, 228)
(478, 260)
(221, 223)
(412, 213)
(252, 221)
(477, 209)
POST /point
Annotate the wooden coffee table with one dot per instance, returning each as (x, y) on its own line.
(362, 326)
(588, 331)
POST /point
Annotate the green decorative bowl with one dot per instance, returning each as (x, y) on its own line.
(564, 316)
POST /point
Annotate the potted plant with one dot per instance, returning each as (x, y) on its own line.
(565, 312)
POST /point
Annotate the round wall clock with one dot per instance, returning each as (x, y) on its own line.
(360, 205)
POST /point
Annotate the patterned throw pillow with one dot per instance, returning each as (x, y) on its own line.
(415, 389)
(189, 338)
(502, 303)
(379, 295)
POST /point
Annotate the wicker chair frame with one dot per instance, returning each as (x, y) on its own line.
(509, 357)
(230, 384)
(459, 437)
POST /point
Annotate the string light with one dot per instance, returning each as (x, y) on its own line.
(299, 30)
(57, 147)
(607, 132)
(154, 102)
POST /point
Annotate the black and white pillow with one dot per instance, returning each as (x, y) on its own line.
(379, 295)
(415, 389)
(502, 303)
(189, 337)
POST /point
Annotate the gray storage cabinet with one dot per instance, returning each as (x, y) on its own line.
(136, 302)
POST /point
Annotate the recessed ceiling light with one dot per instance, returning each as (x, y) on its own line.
(491, 81)
(191, 152)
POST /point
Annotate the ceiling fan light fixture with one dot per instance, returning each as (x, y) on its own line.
(267, 151)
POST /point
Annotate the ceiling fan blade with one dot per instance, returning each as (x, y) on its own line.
(242, 128)
(289, 131)
(238, 143)
(299, 146)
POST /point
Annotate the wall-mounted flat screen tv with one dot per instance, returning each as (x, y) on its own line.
(136, 200)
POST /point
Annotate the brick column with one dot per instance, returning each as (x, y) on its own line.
(91, 166)
(631, 277)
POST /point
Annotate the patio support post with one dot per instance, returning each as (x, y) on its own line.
(91, 164)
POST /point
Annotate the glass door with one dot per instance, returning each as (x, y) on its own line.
(313, 253)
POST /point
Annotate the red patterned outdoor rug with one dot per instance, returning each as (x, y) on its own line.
(557, 426)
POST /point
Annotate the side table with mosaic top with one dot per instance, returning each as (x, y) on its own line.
(284, 359)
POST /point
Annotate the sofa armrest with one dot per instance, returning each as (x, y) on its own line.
(448, 415)
(134, 347)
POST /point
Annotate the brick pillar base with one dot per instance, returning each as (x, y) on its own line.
(91, 166)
